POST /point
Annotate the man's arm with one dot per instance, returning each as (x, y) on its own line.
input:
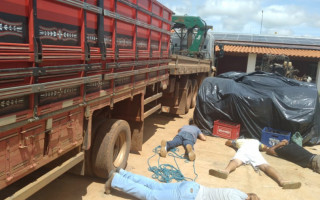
(263, 147)
(202, 137)
(271, 150)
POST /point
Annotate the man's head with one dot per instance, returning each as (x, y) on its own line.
(191, 122)
(252, 196)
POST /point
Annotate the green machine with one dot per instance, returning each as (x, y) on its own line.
(192, 32)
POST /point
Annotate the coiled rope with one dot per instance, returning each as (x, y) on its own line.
(167, 172)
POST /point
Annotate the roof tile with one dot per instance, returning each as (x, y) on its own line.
(268, 50)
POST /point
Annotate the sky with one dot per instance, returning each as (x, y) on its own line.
(297, 18)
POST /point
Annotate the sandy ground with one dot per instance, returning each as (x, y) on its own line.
(210, 154)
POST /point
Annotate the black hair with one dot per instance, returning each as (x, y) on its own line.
(191, 122)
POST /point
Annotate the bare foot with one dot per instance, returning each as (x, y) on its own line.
(290, 185)
(219, 173)
(163, 150)
(191, 154)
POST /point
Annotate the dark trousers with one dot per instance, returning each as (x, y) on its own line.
(177, 141)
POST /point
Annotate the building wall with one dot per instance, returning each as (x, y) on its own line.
(232, 62)
(318, 77)
(251, 66)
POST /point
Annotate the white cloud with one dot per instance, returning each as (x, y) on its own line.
(279, 16)
(315, 21)
(180, 7)
(234, 14)
(230, 8)
(180, 10)
(286, 17)
(245, 16)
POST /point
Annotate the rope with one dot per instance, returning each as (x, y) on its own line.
(166, 172)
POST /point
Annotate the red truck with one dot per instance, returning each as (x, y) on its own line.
(78, 78)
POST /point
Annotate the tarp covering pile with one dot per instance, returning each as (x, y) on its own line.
(259, 100)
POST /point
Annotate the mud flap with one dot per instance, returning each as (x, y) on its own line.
(137, 136)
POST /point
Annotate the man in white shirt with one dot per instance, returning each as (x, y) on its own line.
(248, 153)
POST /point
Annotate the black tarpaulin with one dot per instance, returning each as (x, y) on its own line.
(259, 100)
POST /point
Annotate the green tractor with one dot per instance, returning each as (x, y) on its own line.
(190, 33)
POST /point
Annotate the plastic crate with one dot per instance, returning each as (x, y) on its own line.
(271, 137)
(226, 130)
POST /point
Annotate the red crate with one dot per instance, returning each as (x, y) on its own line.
(226, 130)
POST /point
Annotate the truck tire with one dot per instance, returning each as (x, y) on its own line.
(111, 147)
(194, 93)
(188, 96)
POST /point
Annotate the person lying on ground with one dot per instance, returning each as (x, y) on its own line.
(296, 154)
(187, 136)
(248, 153)
(145, 188)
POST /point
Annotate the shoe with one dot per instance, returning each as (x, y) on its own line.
(163, 150)
(107, 187)
(218, 173)
(191, 154)
(118, 169)
(291, 185)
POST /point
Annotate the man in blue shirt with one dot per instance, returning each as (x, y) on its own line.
(187, 136)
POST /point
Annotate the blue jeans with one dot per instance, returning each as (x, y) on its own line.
(177, 141)
(145, 188)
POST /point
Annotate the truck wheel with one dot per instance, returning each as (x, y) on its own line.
(188, 96)
(194, 93)
(111, 147)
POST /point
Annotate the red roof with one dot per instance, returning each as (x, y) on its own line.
(269, 50)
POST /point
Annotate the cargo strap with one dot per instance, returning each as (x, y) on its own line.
(166, 172)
